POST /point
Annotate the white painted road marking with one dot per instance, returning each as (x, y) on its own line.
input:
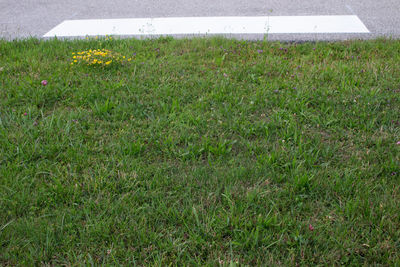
(210, 25)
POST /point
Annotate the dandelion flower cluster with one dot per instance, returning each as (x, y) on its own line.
(102, 57)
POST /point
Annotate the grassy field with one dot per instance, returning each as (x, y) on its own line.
(200, 152)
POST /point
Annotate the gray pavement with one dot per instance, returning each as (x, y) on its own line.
(25, 18)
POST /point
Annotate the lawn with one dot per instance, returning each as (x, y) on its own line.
(200, 152)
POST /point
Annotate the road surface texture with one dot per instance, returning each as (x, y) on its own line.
(38, 18)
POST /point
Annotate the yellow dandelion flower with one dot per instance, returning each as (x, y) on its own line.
(108, 62)
(75, 61)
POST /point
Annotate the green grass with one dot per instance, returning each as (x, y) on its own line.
(200, 152)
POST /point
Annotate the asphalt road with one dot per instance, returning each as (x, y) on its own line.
(25, 18)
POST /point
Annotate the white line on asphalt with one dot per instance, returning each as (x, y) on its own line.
(210, 25)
